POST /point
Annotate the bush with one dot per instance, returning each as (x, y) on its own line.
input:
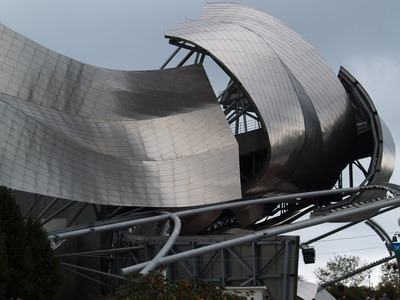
(155, 286)
(28, 265)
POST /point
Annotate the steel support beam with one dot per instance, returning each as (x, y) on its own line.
(394, 202)
(293, 198)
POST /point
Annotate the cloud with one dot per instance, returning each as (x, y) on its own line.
(380, 76)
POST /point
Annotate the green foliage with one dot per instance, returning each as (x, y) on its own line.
(389, 281)
(351, 292)
(155, 286)
(4, 277)
(389, 274)
(341, 266)
(388, 285)
(28, 266)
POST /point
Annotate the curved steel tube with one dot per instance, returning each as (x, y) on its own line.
(73, 232)
(165, 249)
(395, 202)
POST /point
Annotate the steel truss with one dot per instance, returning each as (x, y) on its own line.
(110, 254)
(115, 241)
(95, 241)
(256, 263)
(243, 118)
(240, 113)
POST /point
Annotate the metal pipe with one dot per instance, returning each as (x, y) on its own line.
(164, 250)
(35, 201)
(105, 251)
(73, 219)
(185, 59)
(322, 236)
(91, 270)
(293, 198)
(359, 270)
(85, 276)
(56, 213)
(47, 207)
(381, 233)
(171, 57)
(335, 216)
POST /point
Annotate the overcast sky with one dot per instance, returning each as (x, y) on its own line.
(361, 35)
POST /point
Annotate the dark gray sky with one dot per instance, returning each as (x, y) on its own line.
(361, 35)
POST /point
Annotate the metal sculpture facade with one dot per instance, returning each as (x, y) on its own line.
(160, 139)
(73, 131)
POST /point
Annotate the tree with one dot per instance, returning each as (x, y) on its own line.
(341, 266)
(389, 280)
(15, 256)
(301, 278)
(28, 265)
(4, 278)
(389, 273)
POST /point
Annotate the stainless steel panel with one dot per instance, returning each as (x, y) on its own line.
(147, 138)
(158, 138)
(307, 116)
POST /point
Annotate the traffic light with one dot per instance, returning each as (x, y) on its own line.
(340, 287)
(308, 255)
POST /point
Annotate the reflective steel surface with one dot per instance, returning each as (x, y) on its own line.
(70, 130)
(159, 138)
(307, 116)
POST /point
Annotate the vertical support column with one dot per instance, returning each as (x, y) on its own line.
(195, 262)
(285, 285)
(255, 257)
(351, 183)
(223, 267)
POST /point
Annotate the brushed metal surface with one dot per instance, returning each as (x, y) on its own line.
(307, 116)
(158, 138)
(147, 138)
